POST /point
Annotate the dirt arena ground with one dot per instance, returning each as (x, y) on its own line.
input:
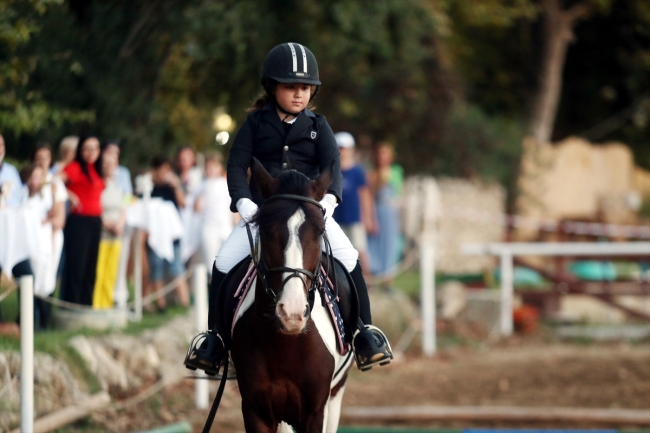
(527, 372)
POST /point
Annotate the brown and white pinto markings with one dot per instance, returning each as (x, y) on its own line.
(288, 367)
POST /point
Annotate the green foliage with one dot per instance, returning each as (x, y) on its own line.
(153, 73)
(25, 110)
(478, 145)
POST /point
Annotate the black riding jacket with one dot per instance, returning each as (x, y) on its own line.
(309, 147)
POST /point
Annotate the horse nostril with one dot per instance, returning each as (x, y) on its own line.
(281, 311)
(306, 312)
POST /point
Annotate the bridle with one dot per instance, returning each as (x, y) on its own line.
(263, 271)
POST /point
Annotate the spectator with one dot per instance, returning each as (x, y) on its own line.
(355, 212)
(113, 220)
(191, 178)
(41, 203)
(67, 151)
(83, 229)
(213, 204)
(55, 192)
(167, 186)
(122, 174)
(10, 184)
(10, 193)
(386, 186)
(188, 172)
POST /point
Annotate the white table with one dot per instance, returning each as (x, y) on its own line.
(161, 220)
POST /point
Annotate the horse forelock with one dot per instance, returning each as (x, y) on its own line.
(274, 212)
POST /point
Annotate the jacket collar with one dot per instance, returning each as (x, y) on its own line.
(302, 121)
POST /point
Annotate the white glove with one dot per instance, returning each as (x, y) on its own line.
(329, 203)
(246, 208)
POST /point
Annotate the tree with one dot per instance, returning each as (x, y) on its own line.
(557, 34)
(24, 109)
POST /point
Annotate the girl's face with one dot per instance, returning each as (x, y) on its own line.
(213, 169)
(293, 97)
(384, 156)
(90, 150)
(43, 158)
(109, 164)
(36, 180)
(186, 159)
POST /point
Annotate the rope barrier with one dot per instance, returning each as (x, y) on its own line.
(150, 298)
(8, 292)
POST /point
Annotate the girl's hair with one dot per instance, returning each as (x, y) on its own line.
(214, 157)
(83, 164)
(264, 97)
(70, 142)
(27, 171)
(43, 145)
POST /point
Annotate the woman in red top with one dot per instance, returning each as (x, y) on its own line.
(84, 225)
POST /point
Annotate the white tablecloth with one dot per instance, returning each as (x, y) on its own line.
(20, 239)
(160, 219)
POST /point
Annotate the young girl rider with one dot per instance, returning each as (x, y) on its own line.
(282, 133)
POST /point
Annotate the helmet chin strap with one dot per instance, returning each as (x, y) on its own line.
(283, 111)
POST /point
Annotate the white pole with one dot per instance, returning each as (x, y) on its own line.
(428, 297)
(27, 353)
(137, 274)
(507, 289)
(202, 391)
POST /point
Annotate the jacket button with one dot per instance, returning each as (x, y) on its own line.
(286, 148)
(284, 165)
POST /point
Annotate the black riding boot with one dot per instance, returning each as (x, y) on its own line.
(207, 349)
(370, 345)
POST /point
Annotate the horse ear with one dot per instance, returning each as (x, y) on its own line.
(320, 185)
(268, 184)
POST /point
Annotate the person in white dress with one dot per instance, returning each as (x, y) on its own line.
(40, 203)
(54, 189)
(213, 205)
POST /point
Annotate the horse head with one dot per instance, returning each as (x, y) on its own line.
(291, 225)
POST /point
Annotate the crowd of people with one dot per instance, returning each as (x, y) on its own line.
(81, 203)
(82, 199)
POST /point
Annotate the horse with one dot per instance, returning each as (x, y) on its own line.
(284, 350)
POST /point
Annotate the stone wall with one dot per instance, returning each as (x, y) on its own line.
(464, 211)
(580, 180)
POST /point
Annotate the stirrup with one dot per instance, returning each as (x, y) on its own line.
(371, 347)
(206, 352)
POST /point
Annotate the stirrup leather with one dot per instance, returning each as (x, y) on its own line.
(371, 347)
(206, 352)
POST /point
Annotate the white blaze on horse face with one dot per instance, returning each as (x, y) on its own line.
(291, 305)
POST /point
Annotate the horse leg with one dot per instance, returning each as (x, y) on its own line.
(255, 423)
(333, 412)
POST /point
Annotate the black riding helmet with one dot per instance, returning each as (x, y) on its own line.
(290, 63)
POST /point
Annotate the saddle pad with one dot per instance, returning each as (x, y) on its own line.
(329, 302)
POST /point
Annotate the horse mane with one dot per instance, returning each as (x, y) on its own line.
(289, 182)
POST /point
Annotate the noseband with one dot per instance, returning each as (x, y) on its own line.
(263, 271)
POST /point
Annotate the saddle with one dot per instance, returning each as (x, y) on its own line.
(337, 294)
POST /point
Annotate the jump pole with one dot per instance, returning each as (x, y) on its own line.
(27, 353)
(202, 391)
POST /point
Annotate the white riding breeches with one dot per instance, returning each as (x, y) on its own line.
(237, 246)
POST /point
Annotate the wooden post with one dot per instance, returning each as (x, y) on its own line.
(202, 391)
(428, 297)
(507, 292)
(137, 274)
(27, 353)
